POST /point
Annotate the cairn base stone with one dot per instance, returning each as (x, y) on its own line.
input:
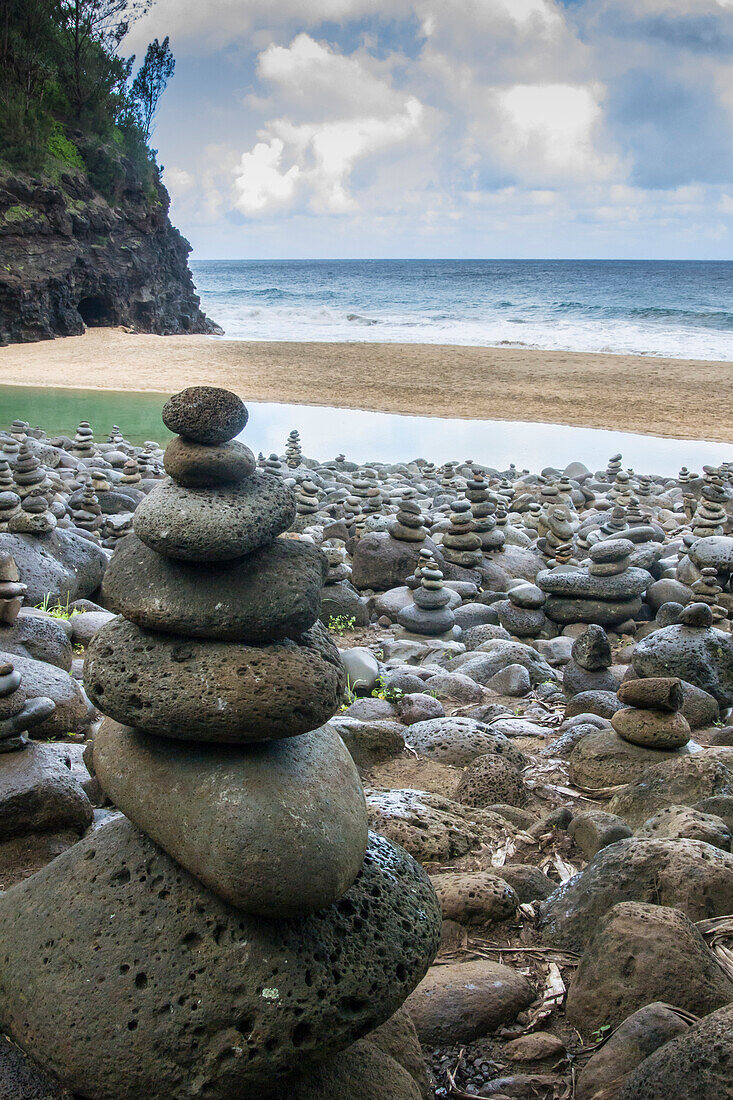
(132, 979)
(278, 828)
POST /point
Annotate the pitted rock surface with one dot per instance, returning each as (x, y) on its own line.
(684, 874)
(490, 779)
(197, 465)
(279, 830)
(200, 690)
(676, 781)
(430, 827)
(459, 740)
(275, 592)
(206, 414)
(215, 524)
(184, 996)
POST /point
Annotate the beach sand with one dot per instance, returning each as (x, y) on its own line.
(684, 399)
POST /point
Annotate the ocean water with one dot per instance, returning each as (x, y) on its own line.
(664, 308)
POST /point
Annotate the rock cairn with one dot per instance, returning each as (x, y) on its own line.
(429, 614)
(407, 526)
(461, 544)
(293, 452)
(651, 716)
(607, 592)
(244, 924)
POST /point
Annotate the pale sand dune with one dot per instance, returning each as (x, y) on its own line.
(667, 397)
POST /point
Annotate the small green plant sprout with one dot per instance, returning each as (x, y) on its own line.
(349, 695)
(340, 624)
(384, 691)
(58, 610)
(601, 1033)
(78, 649)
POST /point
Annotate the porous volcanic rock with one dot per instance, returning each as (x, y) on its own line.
(184, 995)
(202, 690)
(279, 831)
(274, 592)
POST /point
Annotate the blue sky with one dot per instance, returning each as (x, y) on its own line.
(476, 128)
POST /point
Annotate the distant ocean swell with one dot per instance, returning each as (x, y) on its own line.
(663, 309)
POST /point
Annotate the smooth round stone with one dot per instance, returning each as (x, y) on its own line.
(431, 598)
(605, 612)
(197, 465)
(273, 593)
(215, 524)
(612, 550)
(200, 690)
(655, 729)
(429, 623)
(632, 582)
(206, 414)
(180, 994)
(696, 614)
(278, 829)
(608, 568)
(528, 596)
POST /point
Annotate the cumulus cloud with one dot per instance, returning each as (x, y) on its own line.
(432, 111)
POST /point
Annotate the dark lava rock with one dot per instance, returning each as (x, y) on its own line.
(279, 829)
(459, 1001)
(527, 881)
(489, 779)
(61, 565)
(197, 465)
(275, 592)
(128, 978)
(702, 656)
(381, 562)
(677, 781)
(634, 1040)
(698, 1061)
(215, 524)
(41, 680)
(38, 637)
(77, 261)
(592, 649)
(21, 1079)
(641, 953)
(205, 414)
(38, 794)
(684, 874)
(200, 690)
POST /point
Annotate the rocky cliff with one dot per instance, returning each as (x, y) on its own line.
(70, 258)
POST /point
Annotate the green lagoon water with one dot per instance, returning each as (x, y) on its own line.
(366, 436)
(59, 411)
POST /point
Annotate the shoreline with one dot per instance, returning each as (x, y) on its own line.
(668, 398)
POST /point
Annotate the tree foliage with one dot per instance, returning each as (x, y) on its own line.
(66, 94)
(150, 83)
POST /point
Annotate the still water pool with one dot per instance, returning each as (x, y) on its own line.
(368, 436)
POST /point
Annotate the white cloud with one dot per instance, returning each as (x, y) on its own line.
(259, 184)
(548, 132)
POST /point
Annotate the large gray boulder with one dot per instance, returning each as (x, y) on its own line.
(61, 566)
(684, 874)
(38, 794)
(181, 995)
(701, 655)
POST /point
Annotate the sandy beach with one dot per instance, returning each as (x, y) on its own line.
(685, 399)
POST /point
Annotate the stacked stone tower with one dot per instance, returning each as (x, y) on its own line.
(239, 924)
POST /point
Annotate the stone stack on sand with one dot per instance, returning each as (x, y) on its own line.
(239, 925)
(429, 614)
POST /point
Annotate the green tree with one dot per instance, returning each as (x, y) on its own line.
(150, 83)
(93, 32)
